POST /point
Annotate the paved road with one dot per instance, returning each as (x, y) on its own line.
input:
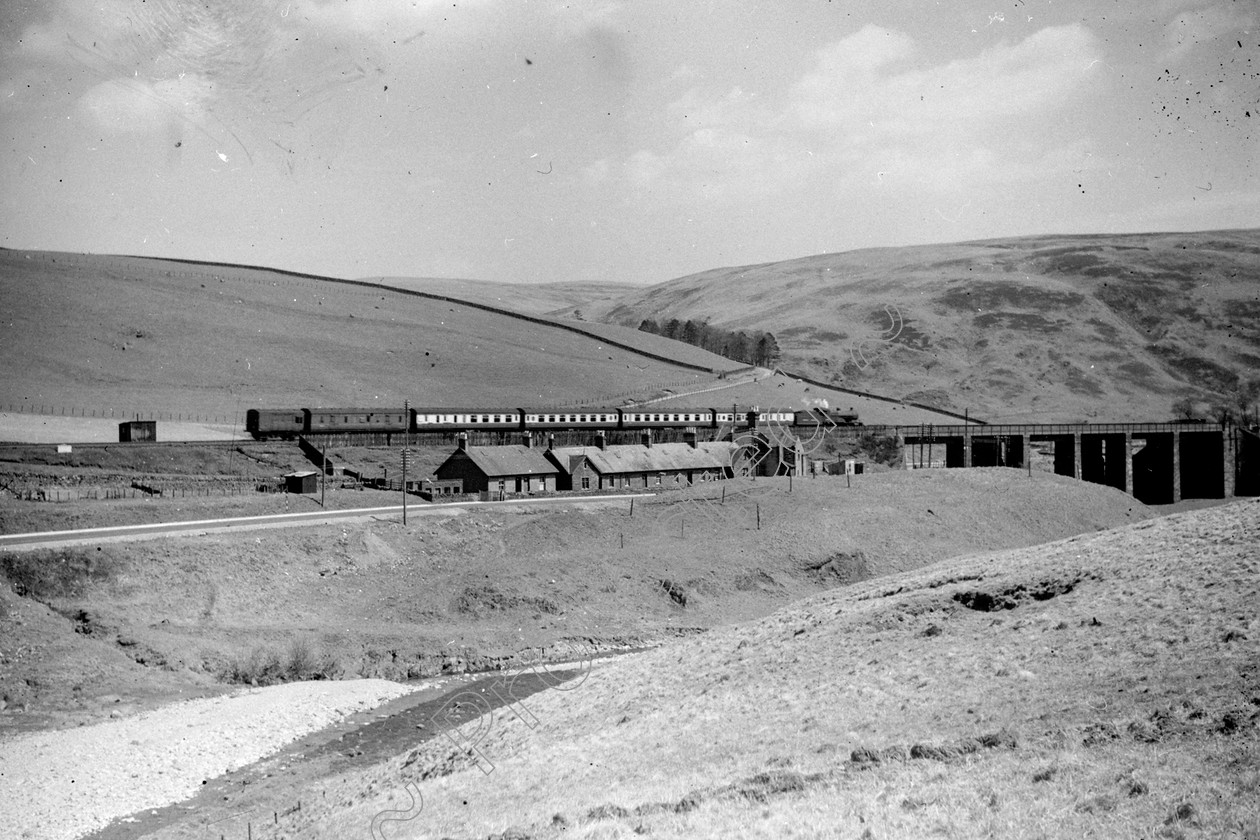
(203, 526)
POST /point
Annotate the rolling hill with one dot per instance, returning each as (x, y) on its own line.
(1044, 328)
(147, 334)
(106, 336)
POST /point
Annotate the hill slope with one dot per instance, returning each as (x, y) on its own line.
(1100, 686)
(1109, 327)
(146, 334)
(534, 298)
(395, 601)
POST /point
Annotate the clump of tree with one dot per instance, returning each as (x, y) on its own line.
(1241, 406)
(756, 348)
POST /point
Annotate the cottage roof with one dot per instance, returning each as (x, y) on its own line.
(659, 457)
(516, 459)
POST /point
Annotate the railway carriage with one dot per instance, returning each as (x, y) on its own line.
(290, 422)
(638, 418)
(275, 422)
(589, 418)
(436, 419)
(355, 420)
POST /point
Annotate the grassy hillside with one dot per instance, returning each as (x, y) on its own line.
(1037, 328)
(1101, 686)
(105, 337)
(382, 599)
(142, 334)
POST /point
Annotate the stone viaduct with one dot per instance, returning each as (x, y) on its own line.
(1157, 463)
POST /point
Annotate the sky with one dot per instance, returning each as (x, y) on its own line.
(633, 142)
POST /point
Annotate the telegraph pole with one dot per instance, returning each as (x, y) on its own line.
(406, 453)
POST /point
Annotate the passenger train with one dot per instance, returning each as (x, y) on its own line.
(265, 423)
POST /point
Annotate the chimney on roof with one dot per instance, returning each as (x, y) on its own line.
(646, 438)
(601, 440)
(462, 441)
(528, 439)
(551, 442)
(689, 437)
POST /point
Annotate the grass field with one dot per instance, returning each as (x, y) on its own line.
(1100, 686)
(397, 601)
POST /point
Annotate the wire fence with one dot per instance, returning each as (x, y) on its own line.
(35, 492)
(48, 410)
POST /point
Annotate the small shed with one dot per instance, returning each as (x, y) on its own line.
(846, 466)
(136, 431)
(306, 481)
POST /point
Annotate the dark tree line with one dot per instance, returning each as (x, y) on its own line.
(751, 348)
(1240, 405)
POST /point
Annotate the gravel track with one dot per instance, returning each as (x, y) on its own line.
(67, 783)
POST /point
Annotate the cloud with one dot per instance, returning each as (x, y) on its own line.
(223, 70)
(872, 109)
(378, 18)
(578, 20)
(1205, 25)
(135, 106)
(854, 84)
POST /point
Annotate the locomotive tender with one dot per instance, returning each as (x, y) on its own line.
(263, 423)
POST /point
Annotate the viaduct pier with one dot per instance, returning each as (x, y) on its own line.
(1156, 463)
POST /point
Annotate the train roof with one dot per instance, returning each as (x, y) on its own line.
(356, 410)
(447, 409)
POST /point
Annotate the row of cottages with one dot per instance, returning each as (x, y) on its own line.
(647, 466)
(523, 469)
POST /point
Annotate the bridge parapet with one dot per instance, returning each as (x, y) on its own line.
(1052, 429)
